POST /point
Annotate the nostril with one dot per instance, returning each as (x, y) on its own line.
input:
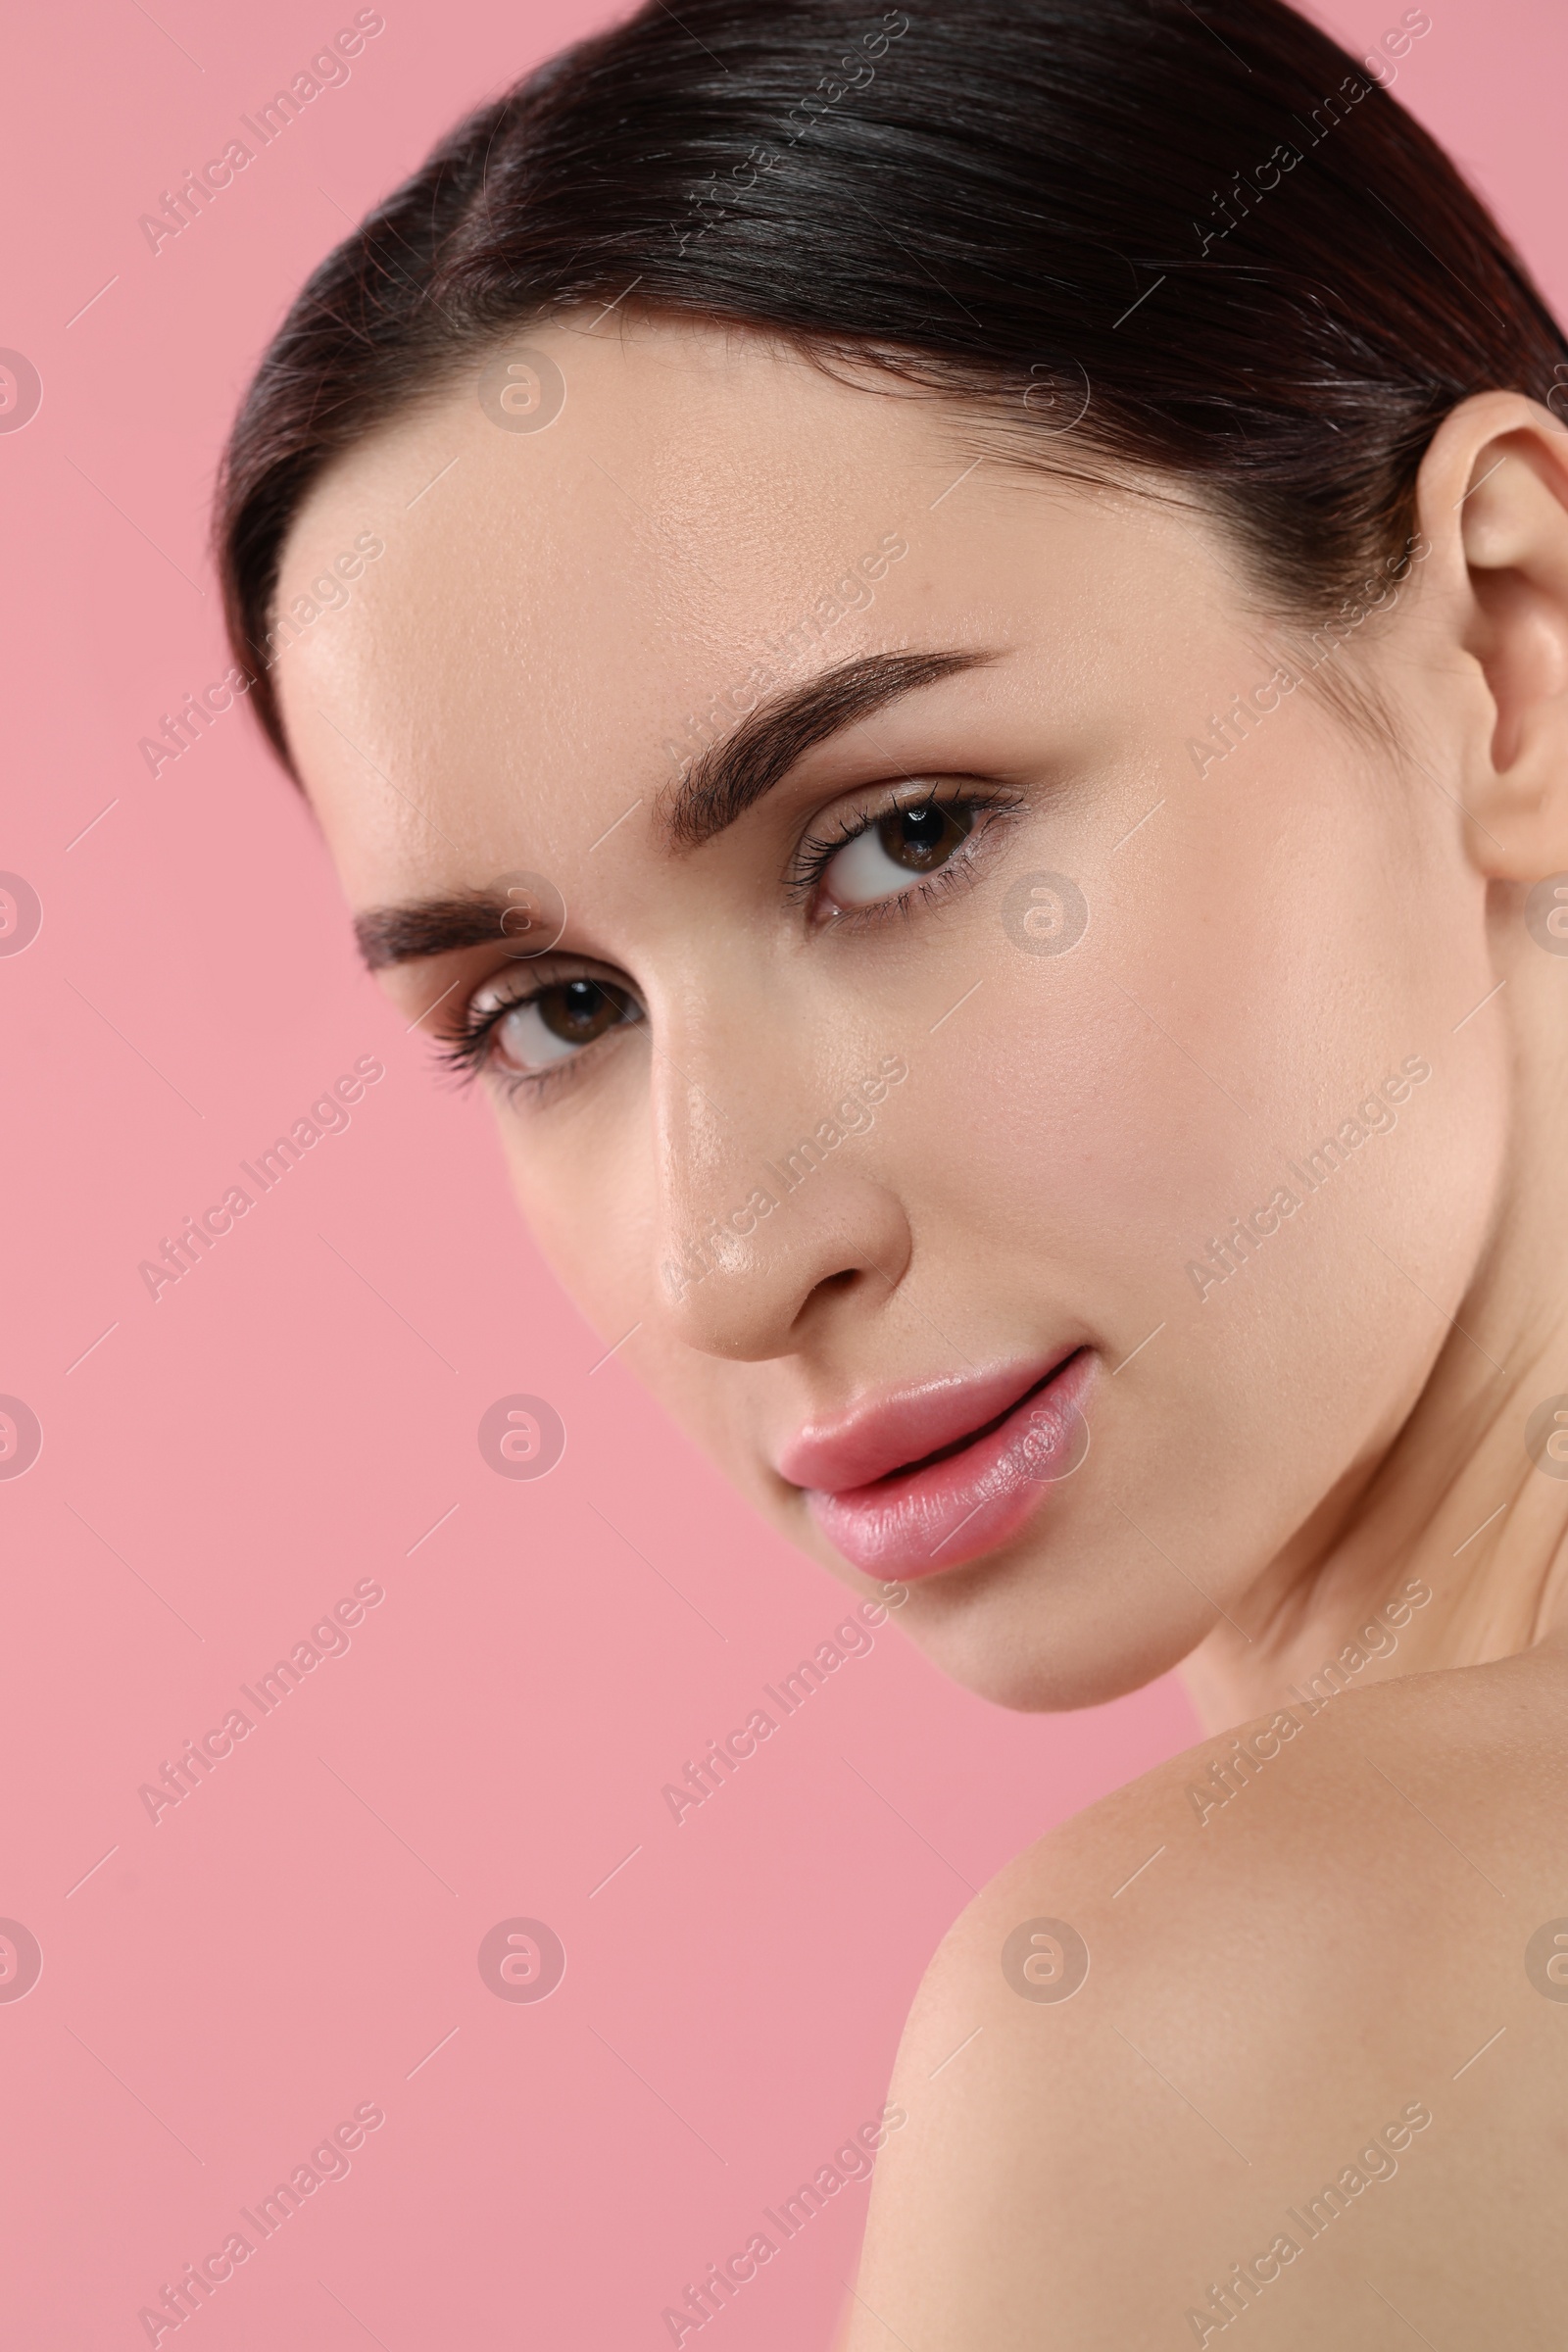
(844, 1279)
(833, 1286)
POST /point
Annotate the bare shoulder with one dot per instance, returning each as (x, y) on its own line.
(1275, 2031)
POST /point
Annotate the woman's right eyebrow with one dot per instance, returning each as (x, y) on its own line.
(440, 926)
(726, 780)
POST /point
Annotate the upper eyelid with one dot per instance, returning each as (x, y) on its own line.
(858, 810)
(913, 790)
(468, 1042)
(960, 871)
(535, 975)
(469, 1028)
(867, 800)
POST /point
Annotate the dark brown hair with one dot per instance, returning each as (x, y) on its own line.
(1201, 242)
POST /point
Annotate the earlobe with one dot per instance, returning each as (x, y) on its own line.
(1493, 499)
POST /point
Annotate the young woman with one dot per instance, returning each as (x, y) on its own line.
(960, 707)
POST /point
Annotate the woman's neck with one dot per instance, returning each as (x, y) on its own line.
(1467, 1501)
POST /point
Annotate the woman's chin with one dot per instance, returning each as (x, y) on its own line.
(1005, 1624)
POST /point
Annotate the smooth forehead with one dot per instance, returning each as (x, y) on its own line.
(556, 605)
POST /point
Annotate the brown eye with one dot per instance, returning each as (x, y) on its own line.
(579, 1011)
(924, 838)
(558, 1021)
(890, 852)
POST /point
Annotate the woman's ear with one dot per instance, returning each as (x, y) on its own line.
(1492, 501)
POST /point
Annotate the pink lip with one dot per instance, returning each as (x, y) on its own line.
(1004, 1438)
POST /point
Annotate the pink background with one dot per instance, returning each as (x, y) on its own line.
(222, 1988)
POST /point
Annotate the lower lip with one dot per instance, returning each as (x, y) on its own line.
(921, 1522)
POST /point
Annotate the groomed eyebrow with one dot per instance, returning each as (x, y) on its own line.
(731, 776)
(388, 935)
(724, 781)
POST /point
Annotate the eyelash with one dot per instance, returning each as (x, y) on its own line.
(816, 852)
(465, 1050)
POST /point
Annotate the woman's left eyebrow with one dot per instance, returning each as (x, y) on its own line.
(725, 780)
(731, 776)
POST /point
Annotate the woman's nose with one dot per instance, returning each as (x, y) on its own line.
(776, 1212)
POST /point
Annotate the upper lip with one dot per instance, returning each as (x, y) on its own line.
(901, 1428)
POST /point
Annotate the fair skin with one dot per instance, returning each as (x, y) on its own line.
(1273, 947)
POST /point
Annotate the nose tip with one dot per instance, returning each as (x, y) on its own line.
(759, 1288)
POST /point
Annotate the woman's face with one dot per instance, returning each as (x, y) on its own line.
(952, 1048)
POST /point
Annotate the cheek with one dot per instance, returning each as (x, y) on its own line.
(1264, 952)
(589, 1200)
(587, 1208)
